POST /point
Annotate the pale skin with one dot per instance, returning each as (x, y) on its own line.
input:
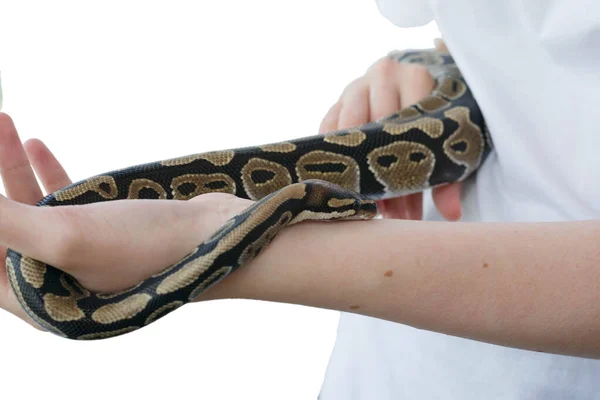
(526, 285)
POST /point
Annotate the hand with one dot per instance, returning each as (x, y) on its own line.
(107, 246)
(387, 87)
(16, 161)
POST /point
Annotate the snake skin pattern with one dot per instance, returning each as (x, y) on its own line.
(339, 175)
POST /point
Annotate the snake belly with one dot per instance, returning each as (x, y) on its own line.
(339, 175)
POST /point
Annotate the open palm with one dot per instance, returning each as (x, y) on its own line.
(107, 246)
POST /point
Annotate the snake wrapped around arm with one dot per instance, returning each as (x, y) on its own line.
(339, 175)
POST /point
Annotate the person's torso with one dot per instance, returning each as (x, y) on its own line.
(534, 67)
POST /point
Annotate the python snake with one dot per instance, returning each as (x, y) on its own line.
(339, 175)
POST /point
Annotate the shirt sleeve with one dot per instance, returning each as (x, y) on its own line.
(406, 13)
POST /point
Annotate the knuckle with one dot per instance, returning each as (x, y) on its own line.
(352, 87)
(385, 67)
(331, 113)
(416, 73)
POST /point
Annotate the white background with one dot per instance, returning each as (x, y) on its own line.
(115, 83)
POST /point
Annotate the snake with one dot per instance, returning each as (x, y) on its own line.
(338, 175)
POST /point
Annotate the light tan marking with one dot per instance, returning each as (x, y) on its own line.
(408, 112)
(433, 127)
(62, 308)
(284, 147)
(451, 88)
(97, 184)
(12, 276)
(337, 203)
(139, 184)
(202, 182)
(321, 216)
(257, 190)
(388, 273)
(65, 308)
(402, 175)
(348, 179)
(433, 103)
(218, 158)
(400, 116)
(470, 135)
(123, 310)
(181, 160)
(210, 282)
(33, 271)
(350, 138)
(255, 247)
(161, 311)
(192, 270)
(105, 335)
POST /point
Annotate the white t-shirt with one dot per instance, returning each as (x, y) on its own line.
(534, 68)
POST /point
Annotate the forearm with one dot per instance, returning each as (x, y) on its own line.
(534, 286)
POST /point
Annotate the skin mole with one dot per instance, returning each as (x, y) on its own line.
(388, 273)
(354, 307)
(485, 265)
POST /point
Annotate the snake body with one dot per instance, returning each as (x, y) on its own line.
(338, 175)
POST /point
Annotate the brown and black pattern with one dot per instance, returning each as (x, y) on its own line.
(339, 175)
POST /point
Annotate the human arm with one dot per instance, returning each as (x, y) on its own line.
(526, 285)
(516, 306)
(386, 87)
(16, 162)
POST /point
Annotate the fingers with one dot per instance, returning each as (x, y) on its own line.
(387, 87)
(414, 84)
(384, 98)
(355, 105)
(46, 166)
(18, 177)
(351, 110)
(394, 208)
(447, 200)
(368, 98)
(405, 207)
(330, 121)
(414, 203)
(384, 95)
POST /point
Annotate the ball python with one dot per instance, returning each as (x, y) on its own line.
(338, 175)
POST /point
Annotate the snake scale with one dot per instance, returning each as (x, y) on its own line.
(339, 175)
